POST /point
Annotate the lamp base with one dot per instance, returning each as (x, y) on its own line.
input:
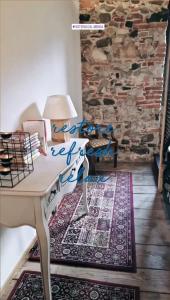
(60, 137)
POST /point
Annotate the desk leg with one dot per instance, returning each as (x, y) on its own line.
(44, 242)
(85, 174)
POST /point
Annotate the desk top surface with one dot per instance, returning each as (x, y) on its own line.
(46, 171)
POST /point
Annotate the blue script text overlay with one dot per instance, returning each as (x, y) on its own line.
(96, 179)
(90, 152)
(83, 127)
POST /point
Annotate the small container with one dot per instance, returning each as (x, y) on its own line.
(6, 135)
(6, 157)
(6, 163)
(4, 170)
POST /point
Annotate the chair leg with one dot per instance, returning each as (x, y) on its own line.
(115, 155)
(92, 170)
(93, 165)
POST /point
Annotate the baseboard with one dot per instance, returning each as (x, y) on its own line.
(19, 264)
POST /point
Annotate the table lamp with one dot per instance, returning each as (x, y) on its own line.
(59, 109)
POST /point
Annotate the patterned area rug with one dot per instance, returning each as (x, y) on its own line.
(29, 287)
(103, 239)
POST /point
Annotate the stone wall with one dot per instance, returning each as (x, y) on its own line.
(122, 70)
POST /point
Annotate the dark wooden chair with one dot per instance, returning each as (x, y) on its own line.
(100, 139)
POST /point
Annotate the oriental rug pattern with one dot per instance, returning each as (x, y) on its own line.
(29, 286)
(103, 239)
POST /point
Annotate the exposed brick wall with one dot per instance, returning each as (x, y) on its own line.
(122, 70)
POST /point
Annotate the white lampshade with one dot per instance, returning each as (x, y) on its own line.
(59, 107)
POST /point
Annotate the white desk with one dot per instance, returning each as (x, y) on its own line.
(32, 200)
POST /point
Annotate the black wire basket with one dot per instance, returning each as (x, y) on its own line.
(16, 161)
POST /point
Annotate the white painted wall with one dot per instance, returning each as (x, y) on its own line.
(40, 56)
